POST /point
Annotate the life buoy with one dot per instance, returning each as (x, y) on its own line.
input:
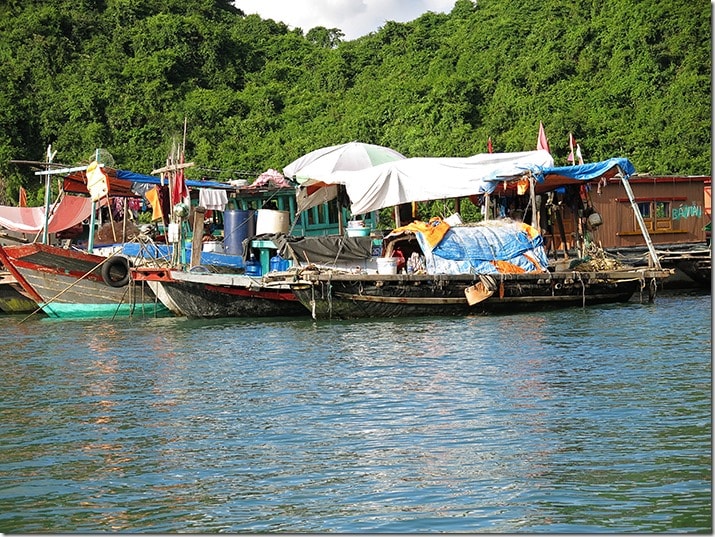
(115, 271)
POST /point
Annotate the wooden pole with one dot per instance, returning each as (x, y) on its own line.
(562, 231)
(639, 217)
(534, 211)
(196, 241)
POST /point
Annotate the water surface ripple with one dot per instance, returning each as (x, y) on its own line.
(582, 420)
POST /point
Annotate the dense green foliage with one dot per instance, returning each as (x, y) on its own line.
(627, 78)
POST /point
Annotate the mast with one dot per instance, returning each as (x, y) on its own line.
(45, 230)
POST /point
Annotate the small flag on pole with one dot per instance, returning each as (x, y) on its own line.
(570, 158)
(489, 145)
(578, 154)
(22, 202)
(542, 142)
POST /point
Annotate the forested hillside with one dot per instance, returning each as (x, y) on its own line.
(628, 78)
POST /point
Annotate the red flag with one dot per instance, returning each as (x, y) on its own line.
(22, 202)
(570, 158)
(489, 145)
(542, 142)
(180, 189)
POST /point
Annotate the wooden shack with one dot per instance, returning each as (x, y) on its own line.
(676, 211)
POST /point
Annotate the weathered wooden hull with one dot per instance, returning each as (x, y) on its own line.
(349, 296)
(691, 263)
(12, 298)
(69, 284)
(221, 295)
(698, 269)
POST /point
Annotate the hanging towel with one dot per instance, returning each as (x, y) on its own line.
(152, 197)
(212, 199)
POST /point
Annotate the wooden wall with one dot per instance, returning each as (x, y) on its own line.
(677, 207)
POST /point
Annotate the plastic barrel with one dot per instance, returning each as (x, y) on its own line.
(270, 221)
(237, 227)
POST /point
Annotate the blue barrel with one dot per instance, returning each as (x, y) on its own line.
(237, 227)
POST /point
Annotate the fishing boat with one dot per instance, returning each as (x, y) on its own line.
(73, 282)
(68, 283)
(691, 263)
(206, 291)
(456, 269)
(202, 294)
(695, 264)
(492, 267)
(215, 285)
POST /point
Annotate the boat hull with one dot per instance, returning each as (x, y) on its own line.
(13, 300)
(69, 284)
(346, 296)
(220, 295)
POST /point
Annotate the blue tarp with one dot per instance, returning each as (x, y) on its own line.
(152, 180)
(552, 178)
(472, 249)
(590, 171)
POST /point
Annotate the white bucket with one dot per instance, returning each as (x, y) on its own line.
(387, 265)
(213, 246)
(270, 221)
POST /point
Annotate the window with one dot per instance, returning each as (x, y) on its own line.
(656, 215)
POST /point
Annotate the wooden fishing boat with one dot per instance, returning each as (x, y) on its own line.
(76, 284)
(691, 263)
(13, 299)
(202, 294)
(694, 264)
(342, 295)
(448, 268)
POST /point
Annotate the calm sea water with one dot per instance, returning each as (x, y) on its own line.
(579, 421)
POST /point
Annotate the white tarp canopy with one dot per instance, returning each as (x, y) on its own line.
(429, 178)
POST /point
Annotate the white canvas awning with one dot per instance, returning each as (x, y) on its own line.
(426, 178)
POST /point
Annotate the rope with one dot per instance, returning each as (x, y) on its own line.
(39, 308)
(120, 302)
(583, 290)
(312, 301)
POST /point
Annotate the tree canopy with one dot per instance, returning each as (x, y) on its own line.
(628, 78)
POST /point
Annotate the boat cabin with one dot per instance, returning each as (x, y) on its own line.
(674, 210)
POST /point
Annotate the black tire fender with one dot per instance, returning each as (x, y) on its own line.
(115, 271)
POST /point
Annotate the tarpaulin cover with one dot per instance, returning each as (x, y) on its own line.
(124, 183)
(424, 179)
(323, 249)
(478, 249)
(552, 178)
(70, 211)
(427, 178)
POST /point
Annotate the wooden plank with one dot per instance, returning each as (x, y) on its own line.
(400, 300)
(173, 167)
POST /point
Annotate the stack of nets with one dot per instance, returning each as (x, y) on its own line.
(596, 260)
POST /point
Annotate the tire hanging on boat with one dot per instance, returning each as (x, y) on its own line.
(115, 271)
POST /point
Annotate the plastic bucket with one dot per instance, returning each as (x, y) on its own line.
(358, 232)
(212, 246)
(270, 221)
(237, 227)
(387, 265)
